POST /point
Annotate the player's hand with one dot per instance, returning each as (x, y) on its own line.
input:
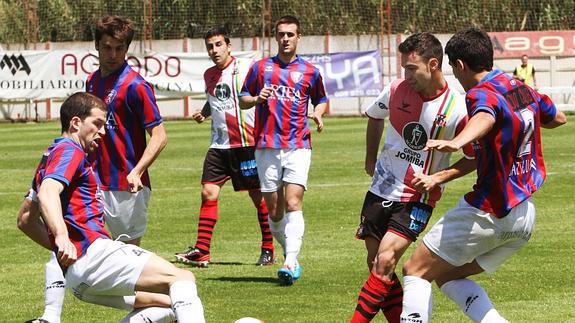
(318, 121)
(67, 253)
(446, 146)
(264, 95)
(370, 167)
(134, 182)
(198, 117)
(423, 183)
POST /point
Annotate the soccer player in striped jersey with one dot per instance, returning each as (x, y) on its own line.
(124, 156)
(231, 153)
(407, 181)
(98, 269)
(496, 218)
(280, 88)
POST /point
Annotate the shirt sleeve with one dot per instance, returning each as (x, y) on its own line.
(379, 108)
(317, 94)
(143, 101)
(547, 109)
(251, 86)
(63, 163)
(481, 101)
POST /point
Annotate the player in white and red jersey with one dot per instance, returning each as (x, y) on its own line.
(281, 88)
(407, 181)
(231, 153)
(496, 219)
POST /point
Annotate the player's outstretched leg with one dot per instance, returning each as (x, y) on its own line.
(53, 294)
(267, 256)
(199, 255)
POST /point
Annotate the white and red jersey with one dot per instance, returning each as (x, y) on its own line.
(232, 127)
(413, 120)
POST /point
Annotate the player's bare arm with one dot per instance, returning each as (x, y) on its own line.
(201, 115)
(30, 222)
(373, 136)
(198, 117)
(559, 120)
(424, 183)
(246, 102)
(479, 125)
(51, 208)
(317, 115)
(158, 140)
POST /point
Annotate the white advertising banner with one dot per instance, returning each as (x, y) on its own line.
(38, 75)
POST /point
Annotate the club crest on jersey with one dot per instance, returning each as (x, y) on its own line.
(296, 76)
(110, 96)
(222, 91)
(414, 136)
(440, 120)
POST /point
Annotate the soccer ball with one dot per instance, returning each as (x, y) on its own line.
(248, 320)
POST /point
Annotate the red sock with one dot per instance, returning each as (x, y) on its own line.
(267, 238)
(392, 305)
(373, 295)
(206, 224)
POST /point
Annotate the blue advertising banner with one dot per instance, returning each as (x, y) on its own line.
(350, 74)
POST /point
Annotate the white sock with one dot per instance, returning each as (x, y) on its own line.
(473, 300)
(417, 300)
(55, 291)
(294, 229)
(278, 231)
(186, 303)
(150, 314)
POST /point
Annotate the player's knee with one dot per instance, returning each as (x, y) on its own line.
(293, 204)
(385, 263)
(181, 274)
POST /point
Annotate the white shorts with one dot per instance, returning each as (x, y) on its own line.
(107, 273)
(466, 233)
(278, 166)
(126, 214)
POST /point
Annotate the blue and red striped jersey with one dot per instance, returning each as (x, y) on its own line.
(281, 122)
(510, 166)
(132, 109)
(82, 208)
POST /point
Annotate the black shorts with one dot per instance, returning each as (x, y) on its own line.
(379, 215)
(239, 164)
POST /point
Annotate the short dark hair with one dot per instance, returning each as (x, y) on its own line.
(472, 46)
(116, 27)
(288, 20)
(217, 31)
(423, 44)
(79, 104)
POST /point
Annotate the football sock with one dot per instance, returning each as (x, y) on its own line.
(150, 314)
(278, 231)
(186, 303)
(294, 230)
(206, 224)
(267, 238)
(375, 295)
(472, 299)
(416, 300)
(55, 291)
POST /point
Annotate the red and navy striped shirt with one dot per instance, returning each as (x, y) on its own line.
(82, 208)
(131, 109)
(510, 166)
(281, 122)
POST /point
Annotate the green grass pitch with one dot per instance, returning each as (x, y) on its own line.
(536, 285)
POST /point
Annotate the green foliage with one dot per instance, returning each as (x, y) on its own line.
(69, 20)
(535, 285)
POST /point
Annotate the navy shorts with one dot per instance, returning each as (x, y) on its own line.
(237, 164)
(378, 215)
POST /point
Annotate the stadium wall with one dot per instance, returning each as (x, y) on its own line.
(554, 74)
